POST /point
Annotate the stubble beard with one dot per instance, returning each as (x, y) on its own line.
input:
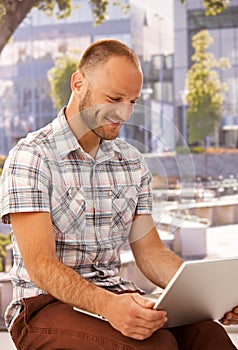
(89, 114)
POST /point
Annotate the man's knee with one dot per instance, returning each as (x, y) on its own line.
(210, 327)
(203, 335)
(163, 339)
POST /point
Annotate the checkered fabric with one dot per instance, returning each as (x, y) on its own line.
(92, 202)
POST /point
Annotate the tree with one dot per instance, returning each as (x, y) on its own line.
(2, 161)
(59, 78)
(13, 12)
(5, 240)
(213, 7)
(204, 89)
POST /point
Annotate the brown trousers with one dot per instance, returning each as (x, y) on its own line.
(46, 323)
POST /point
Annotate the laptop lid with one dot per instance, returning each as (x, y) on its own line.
(200, 290)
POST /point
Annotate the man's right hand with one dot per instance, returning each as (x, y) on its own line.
(133, 316)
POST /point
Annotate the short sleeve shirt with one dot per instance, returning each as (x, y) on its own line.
(92, 202)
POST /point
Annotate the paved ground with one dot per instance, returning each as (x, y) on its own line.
(221, 242)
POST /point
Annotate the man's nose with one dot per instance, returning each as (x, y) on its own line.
(123, 110)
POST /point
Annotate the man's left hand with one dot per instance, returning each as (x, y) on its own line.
(230, 318)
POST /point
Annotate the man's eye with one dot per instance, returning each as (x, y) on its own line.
(115, 99)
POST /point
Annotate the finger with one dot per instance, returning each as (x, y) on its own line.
(153, 315)
(141, 333)
(150, 326)
(231, 316)
(226, 322)
(146, 303)
(229, 319)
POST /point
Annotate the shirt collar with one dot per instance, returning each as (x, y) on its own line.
(66, 141)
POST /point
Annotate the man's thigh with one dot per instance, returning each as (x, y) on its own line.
(206, 335)
(46, 323)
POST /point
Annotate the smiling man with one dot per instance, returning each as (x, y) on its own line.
(75, 194)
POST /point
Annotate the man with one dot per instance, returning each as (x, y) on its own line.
(74, 194)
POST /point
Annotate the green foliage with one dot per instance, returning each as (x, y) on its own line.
(3, 11)
(203, 121)
(2, 161)
(63, 8)
(4, 241)
(99, 9)
(213, 7)
(13, 12)
(194, 149)
(59, 78)
(197, 149)
(182, 150)
(204, 89)
(99, 12)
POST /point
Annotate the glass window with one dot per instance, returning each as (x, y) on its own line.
(224, 44)
(235, 48)
(228, 43)
(231, 95)
(195, 4)
(179, 83)
(215, 47)
(82, 12)
(227, 19)
(180, 48)
(116, 12)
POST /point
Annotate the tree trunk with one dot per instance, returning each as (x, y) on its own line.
(16, 11)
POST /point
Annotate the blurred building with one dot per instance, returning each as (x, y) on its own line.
(189, 19)
(24, 88)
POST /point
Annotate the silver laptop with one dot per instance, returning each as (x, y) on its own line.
(199, 290)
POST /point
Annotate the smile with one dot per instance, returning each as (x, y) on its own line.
(113, 121)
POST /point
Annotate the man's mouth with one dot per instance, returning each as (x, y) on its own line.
(113, 121)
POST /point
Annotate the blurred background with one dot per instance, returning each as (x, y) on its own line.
(186, 122)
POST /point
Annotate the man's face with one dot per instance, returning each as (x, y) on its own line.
(110, 97)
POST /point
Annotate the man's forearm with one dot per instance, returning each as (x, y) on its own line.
(36, 241)
(156, 262)
(67, 285)
(160, 266)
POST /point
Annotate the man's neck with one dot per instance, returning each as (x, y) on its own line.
(86, 138)
(90, 143)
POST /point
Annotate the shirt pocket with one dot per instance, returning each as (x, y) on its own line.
(70, 216)
(124, 202)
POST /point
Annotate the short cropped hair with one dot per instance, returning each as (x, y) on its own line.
(99, 53)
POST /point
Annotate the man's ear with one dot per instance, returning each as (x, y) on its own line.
(77, 81)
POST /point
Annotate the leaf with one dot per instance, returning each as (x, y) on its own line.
(59, 78)
(205, 96)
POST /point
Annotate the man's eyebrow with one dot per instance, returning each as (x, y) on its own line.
(114, 92)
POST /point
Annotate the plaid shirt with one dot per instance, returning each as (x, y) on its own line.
(92, 202)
